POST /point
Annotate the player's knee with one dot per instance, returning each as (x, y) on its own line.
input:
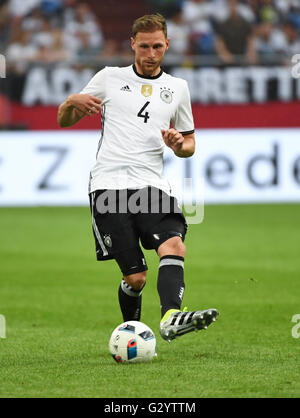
(173, 246)
(137, 281)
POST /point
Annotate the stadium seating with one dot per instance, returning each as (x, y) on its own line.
(116, 17)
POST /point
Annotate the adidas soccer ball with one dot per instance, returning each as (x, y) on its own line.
(132, 342)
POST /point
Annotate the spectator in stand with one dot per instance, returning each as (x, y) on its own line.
(69, 12)
(51, 50)
(293, 14)
(21, 52)
(17, 10)
(235, 39)
(289, 10)
(51, 7)
(83, 34)
(21, 8)
(197, 15)
(58, 51)
(285, 6)
(165, 7)
(3, 22)
(44, 37)
(178, 32)
(67, 30)
(266, 12)
(292, 41)
(33, 21)
(283, 37)
(221, 10)
(269, 43)
(111, 49)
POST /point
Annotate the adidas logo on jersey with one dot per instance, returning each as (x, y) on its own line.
(126, 88)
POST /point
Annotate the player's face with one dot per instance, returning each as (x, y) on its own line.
(149, 51)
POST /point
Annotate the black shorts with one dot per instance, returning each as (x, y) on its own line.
(124, 219)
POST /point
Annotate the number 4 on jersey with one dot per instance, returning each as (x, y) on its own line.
(144, 115)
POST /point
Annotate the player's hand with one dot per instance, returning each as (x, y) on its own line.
(86, 104)
(173, 139)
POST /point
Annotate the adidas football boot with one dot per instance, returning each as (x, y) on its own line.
(176, 323)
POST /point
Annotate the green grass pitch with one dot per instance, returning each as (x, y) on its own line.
(61, 306)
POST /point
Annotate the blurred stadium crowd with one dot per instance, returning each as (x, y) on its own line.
(230, 31)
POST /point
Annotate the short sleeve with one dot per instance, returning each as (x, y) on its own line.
(183, 120)
(97, 85)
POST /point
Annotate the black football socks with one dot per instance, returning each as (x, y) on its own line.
(130, 301)
(170, 283)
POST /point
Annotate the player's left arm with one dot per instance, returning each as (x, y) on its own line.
(183, 145)
(181, 137)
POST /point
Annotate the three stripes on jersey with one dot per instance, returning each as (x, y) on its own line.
(126, 88)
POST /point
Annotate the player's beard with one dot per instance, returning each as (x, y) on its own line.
(149, 70)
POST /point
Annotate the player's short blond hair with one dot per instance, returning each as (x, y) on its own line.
(150, 23)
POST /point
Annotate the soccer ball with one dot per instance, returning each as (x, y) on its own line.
(132, 342)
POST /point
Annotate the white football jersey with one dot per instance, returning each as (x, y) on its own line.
(134, 110)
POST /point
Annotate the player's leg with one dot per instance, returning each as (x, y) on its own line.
(163, 228)
(171, 276)
(133, 266)
(130, 296)
(170, 287)
(136, 281)
(166, 237)
(170, 282)
(168, 241)
(116, 238)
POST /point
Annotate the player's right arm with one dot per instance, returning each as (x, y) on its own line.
(76, 107)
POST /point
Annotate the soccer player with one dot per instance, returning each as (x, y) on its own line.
(138, 104)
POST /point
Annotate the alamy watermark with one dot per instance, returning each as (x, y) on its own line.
(2, 66)
(296, 328)
(151, 200)
(2, 326)
(296, 67)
